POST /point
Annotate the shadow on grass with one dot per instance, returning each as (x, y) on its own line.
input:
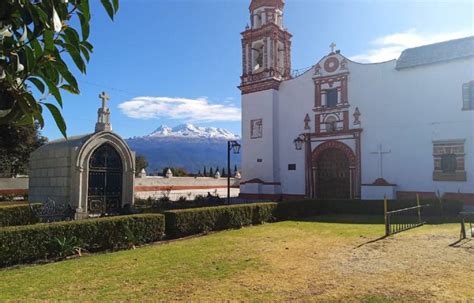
(343, 219)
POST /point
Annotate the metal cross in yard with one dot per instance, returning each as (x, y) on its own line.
(381, 152)
(104, 97)
(332, 46)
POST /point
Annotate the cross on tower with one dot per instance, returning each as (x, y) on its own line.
(332, 46)
(381, 152)
(104, 97)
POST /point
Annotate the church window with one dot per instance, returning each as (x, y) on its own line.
(257, 50)
(291, 166)
(468, 95)
(449, 157)
(448, 163)
(331, 97)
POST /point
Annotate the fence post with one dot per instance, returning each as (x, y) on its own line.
(419, 209)
(385, 210)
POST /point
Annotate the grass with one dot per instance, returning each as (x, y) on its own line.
(293, 260)
(12, 203)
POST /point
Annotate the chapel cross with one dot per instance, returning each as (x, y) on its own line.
(332, 46)
(104, 97)
(381, 152)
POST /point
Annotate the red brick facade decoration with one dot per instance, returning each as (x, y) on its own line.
(273, 51)
(279, 4)
(352, 156)
(337, 145)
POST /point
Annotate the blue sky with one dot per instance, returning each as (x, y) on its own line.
(183, 57)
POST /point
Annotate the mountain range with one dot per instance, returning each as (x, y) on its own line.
(185, 146)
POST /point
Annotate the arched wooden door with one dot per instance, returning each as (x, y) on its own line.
(333, 175)
(105, 181)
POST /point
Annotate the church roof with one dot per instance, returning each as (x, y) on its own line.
(436, 53)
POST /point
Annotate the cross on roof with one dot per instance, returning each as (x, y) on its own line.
(104, 97)
(332, 46)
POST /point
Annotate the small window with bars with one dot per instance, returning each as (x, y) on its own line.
(468, 96)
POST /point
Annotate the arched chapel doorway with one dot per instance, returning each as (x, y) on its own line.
(105, 181)
(333, 171)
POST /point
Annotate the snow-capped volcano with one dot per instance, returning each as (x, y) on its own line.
(192, 131)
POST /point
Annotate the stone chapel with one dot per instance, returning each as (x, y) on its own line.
(348, 130)
(93, 173)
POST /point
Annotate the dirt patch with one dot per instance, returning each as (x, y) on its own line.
(416, 265)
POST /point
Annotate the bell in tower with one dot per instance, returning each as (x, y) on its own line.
(266, 47)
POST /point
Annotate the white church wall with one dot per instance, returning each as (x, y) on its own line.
(258, 153)
(405, 111)
(296, 100)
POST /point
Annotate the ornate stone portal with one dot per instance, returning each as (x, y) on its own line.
(93, 173)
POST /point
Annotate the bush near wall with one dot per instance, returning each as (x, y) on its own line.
(12, 215)
(185, 222)
(23, 244)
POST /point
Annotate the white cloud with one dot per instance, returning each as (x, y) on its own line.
(390, 47)
(199, 109)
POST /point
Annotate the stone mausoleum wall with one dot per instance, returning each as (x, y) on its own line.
(50, 172)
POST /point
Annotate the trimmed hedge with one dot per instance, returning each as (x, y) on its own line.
(185, 222)
(29, 243)
(17, 215)
(376, 207)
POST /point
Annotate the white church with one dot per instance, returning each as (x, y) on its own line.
(349, 130)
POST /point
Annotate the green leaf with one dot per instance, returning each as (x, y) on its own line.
(37, 82)
(72, 37)
(70, 89)
(66, 74)
(76, 57)
(89, 46)
(58, 118)
(37, 49)
(109, 8)
(25, 120)
(84, 26)
(85, 53)
(48, 40)
(30, 58)
(53, 89)
(85, 9)
(116, 5)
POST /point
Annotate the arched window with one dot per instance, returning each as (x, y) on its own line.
(257, 57)
(331, 124)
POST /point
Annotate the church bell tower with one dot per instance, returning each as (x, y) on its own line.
(266, 47)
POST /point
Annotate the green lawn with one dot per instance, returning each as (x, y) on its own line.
(293, 260)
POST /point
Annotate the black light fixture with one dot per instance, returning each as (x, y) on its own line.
(298, 143)
(235, 147)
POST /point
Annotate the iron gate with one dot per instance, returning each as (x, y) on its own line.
(105, 181)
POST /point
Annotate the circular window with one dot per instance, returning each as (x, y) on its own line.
(331, 64)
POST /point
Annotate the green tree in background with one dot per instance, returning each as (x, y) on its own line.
(35, 35)
(177, 171)
(16, 145)
(140, 163)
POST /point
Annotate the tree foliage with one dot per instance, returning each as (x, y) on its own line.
(16, 145)
(140, 163)
(35, 35)
(177, 171)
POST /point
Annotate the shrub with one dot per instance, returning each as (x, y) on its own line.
(187, 222)
(23, 244)
(17, 215)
